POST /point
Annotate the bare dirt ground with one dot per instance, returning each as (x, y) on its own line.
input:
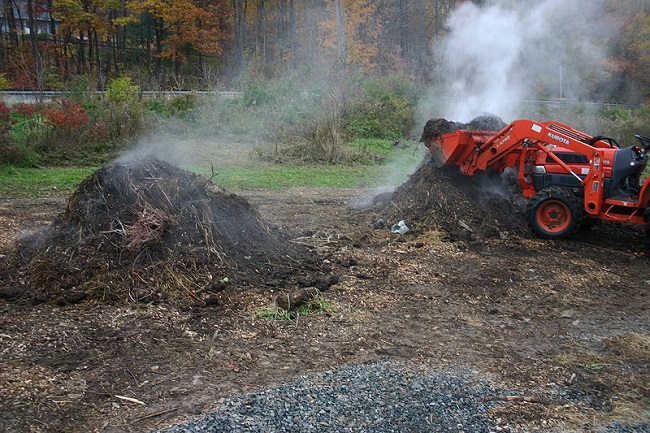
(536, 316)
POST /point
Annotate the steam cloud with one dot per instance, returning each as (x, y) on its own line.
(497, 55)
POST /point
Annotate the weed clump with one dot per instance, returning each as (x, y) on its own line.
(315, 306)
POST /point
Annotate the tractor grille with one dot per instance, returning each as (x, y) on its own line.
(569, 132)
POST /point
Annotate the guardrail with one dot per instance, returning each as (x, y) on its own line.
(30, 97)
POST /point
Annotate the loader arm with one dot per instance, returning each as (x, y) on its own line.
(522, 134)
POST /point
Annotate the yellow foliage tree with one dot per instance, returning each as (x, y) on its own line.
(355, 22)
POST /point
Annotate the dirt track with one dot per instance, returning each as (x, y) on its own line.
(536, 316)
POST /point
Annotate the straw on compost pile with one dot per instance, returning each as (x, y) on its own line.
(147, 230)
(489, 204)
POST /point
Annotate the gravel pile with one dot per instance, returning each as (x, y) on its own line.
(383, 397)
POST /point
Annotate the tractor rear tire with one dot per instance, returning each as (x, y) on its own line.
(554, 213)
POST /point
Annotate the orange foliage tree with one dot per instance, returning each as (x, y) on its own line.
(183, 27)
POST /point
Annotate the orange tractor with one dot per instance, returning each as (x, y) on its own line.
(571, 178)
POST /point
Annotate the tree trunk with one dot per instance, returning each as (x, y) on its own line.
(92, 45)
(10, 22)
(158, 60)
(52, 24)
(33, 30)
(292, 33)
(341, 32)
(239, 33)
(98, 61)
(312, 42)
(261, 31)
(81, 54)
(281, 30)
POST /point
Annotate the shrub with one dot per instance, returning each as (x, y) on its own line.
(614, 113)
(122, 90)
(5, 84)
(315, 125)
(156, 106)
(31, 131)
(182, 104)
(4, 118)
(25, 110)
(65, 123)
(66, 115)
(22, 138)
(52, 133)
(259, 92)
(121, 114)
(124, 121)
(386, 111)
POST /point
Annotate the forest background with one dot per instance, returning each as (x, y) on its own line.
(309, 75)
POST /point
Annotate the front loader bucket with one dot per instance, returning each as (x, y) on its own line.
(455, 147)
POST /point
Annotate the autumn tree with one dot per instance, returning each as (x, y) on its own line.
(85, 35)
(175, 41)
(265, 32)
(410, 33)
(632, 57)
(182, 28)
(349, 33)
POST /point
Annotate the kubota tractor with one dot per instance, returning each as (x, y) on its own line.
(571, 178)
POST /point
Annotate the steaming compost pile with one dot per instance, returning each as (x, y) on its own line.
(146, 231)
(485, 205)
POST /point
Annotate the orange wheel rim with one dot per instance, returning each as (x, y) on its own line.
(554, 217)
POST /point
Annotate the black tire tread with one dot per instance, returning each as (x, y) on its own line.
(568, 197)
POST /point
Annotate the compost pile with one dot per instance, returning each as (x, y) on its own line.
(149, 231)
(466, 207)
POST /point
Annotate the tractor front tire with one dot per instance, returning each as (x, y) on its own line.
(554, 213)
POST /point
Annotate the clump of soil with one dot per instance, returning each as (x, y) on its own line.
(436, 127)
(484, 205)
(145, 231)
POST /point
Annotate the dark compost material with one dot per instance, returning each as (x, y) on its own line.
(147, 230)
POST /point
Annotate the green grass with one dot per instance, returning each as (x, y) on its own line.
(399, 163)
(276, 176)
(18, 182)
(318, 305)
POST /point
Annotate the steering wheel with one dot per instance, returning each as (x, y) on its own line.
(645, 142)
(610, 140)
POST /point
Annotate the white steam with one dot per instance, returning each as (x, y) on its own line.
(507, 51)
(482, 51)
(161, 144)
(204, 141)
